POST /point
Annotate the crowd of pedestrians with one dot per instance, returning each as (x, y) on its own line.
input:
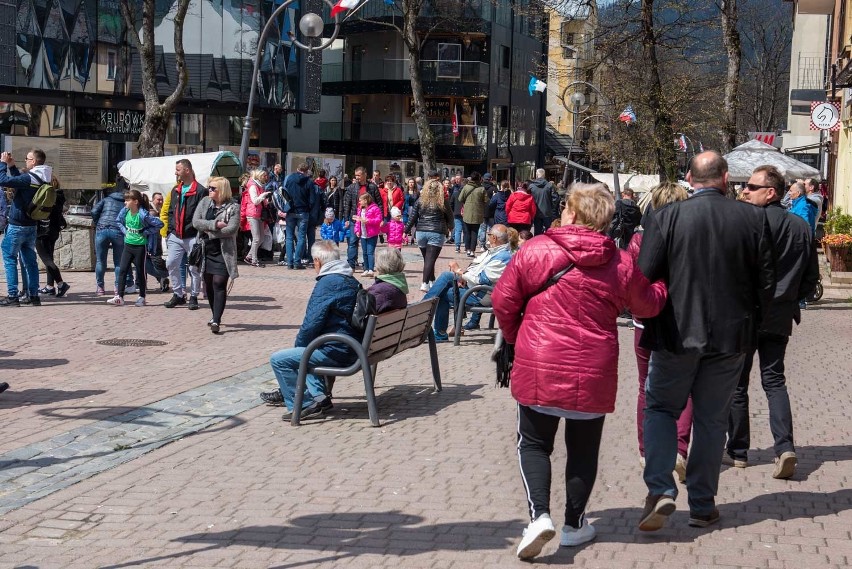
(708, 281)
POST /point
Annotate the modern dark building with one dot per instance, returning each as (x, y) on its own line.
(477, 60)
(69, 72)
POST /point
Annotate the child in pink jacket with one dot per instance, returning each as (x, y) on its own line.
(368, 226)
(395, 229)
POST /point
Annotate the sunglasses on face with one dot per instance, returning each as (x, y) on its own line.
(755, 187)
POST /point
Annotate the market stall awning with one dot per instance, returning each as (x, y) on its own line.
(743, 159)
(158, 174)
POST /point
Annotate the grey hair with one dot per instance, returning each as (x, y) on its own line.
(325, 251)
(389, 260)
(500, 233)
(540, 173)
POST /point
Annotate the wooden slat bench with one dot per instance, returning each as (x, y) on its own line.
(386, 335)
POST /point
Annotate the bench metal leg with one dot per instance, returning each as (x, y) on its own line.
(433, 356)
(457, 332)
(329, 383)
(369, 377)
(301, 380)
(491, 322)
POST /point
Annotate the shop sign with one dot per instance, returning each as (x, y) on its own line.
(435, 108)
(114, 121)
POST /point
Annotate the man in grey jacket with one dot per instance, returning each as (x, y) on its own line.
(546, 202)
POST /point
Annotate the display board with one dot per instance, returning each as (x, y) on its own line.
(258, 157)
(333, 164)
(77, 164)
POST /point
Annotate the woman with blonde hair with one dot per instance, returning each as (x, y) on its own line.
(217, 218)
(254, 211)
(557, 302)
(432, 218)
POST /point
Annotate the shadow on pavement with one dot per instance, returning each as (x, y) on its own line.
(234, 328)
(252, 298)
(31, 364)
(134, 415)
(6, 353)
(401, 402)
(248, 307)
(42, 396)
(349, 535)
(812, 457)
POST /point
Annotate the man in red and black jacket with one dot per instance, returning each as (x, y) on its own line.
(185, 197)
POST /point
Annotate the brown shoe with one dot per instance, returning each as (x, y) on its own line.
(785, 465)
(657, 510)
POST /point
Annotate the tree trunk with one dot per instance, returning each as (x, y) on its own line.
(663, 132)
(411, 11)
(731, 41)
(157, 114)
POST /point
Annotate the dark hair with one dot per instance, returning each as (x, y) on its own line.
(475, 176)
(525, 234)
(138, 196)
(38, 155)
(390, 178)
(322, 173)
(185, 163)
(157, 194)
(773, 177)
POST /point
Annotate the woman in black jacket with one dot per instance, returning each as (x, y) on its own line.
(432, 218)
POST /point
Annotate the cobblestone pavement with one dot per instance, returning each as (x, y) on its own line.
(436, 486)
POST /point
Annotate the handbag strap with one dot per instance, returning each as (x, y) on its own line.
(547, 284)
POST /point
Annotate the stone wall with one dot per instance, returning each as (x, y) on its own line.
(75, 250)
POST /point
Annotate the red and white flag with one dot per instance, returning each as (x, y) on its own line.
(343, 5)
(455, 120)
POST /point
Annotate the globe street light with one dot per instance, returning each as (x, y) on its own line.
(311, 26)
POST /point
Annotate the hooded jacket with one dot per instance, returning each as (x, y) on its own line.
(520, 208)
(390, 292)
(332, 302)
(105, 212)
(566, 344)
(301, 189)
(497, 206)
(546, 199)
(25, 187)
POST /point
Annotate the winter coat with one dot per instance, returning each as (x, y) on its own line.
(395, 231)
(805, 209)
(245, 200)
(490, 190)
(317, 208)
(373, 213)
(151, 226)
(227, 236)
(520, 208)
(333, 231)
(497, 206)
(397, 199)
(546, 199)
(429, 219)
(566, 344)
(105, 212)
(473, 198)
(390, 292)
(302, 191)
(182, 212)
(455, 204)
(329, 309)
(254, 205)
(350, 198)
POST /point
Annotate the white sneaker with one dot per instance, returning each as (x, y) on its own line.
(424, 287)
(140, 301)
(132, 289)
(536, 535)
(116, 301)
(573, 537)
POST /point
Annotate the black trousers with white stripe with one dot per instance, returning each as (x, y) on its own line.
(536, 434)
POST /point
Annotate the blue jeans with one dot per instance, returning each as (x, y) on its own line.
(443, 290)
(458, 231)
(104, 239)
(296, 222)
(285, 364)
(352, 250)
(369, 247)
(711, 379)
(20, 239)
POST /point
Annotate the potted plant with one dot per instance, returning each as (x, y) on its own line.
(837, 242)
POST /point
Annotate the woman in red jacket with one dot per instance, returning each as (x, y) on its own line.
(520, 208)
(566, 352)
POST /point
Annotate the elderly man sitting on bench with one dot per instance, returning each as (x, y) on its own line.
(332, 300)
(485, 270)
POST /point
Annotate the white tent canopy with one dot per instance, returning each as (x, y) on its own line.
(639, 183)
(150, 175)
(743, 159)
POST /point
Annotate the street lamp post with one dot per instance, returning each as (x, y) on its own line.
(311, 25)
(578, 99)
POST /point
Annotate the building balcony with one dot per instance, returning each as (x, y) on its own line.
(444, 77)
(400, 140)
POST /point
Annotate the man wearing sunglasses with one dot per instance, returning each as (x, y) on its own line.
(715, 255)
(797, 273)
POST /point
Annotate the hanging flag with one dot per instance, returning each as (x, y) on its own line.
(536, 85)
(455, 120)
(343, 5)
(627, 116)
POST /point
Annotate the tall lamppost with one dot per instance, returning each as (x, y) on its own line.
(578, 105)
(311, 25)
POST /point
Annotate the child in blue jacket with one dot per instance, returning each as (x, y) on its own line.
(332, 229)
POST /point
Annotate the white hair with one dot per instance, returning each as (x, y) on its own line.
(325, 251)
(540, 173)
(389, 260)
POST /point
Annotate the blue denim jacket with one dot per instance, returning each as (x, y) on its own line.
(151, 226)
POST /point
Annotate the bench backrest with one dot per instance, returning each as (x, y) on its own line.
(393, 332)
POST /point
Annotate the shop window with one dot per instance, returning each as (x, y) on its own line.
(111, 65)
